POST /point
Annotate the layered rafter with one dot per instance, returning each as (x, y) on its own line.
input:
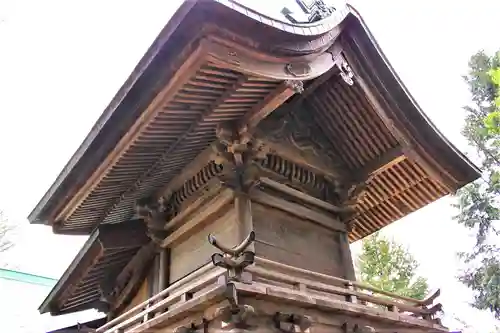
(229, 107)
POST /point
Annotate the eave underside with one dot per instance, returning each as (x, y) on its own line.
(93, 273)
(372, 135)
(396, 184)
(375, 132)
(182, 124)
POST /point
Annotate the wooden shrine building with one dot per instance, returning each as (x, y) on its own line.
(221, 187)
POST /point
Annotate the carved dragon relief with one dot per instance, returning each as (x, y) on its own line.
(298, 128)
(239, 159)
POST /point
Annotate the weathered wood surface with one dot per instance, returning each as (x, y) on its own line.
(326, 300)
(195, 251)
(140, 297)
(295, 241)
(205, 276)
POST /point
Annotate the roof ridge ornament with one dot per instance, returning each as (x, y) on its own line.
(316, 9)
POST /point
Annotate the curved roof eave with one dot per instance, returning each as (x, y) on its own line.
(103, 134)
(470, 171)
(125, 106)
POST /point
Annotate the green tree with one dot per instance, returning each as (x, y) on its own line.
(479, 202)
(387, 265)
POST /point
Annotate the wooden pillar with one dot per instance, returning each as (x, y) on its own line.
(163, 269)
(347, 261)
(243, 207)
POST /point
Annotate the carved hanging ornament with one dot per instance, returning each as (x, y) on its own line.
(235, 259)
(346, 72)
(295, 85)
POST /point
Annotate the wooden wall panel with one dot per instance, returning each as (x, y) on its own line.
(141, 296)
(195, 251)
(290, 240)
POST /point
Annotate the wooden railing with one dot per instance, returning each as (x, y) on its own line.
(176, 293)
(276, 275)
(353, 291)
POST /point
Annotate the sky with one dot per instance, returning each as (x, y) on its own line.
(62, 61)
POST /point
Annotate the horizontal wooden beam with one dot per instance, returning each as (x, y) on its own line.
(381, 163)
(187, 172)
(305, 159)
(301, 196)
(124, 235)
(206, 214)
(324, 219)
(253, 117)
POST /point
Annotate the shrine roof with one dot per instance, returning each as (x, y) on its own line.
(96, 269)
(216, 61)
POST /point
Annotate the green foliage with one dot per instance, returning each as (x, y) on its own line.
(386, 265)
(479, 202)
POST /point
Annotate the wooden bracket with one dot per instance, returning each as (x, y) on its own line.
(193, 328)
(154, 213)
(236, 315)
(291, 323)
(235, 259)
(237, 151)
(355, 328)
(346, 72)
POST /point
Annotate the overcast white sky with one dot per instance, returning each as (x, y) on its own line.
(62, 61)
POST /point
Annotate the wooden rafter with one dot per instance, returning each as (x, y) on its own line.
(268, 105)
(380, 164)
(382, 108)
(193, 62)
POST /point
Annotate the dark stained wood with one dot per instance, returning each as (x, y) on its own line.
(381, 163)
(193, 61)
(395, 125)
(84, 266)
(300, 157)
(195, 251)
(132, 276)
(346, 258)
(211, 210)
(301, 196)
(323, 218)
(187, 172)
(297, 242)
(259, 129)
(129, 234)
(244, 218)
(268, 105)
(246, 60)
